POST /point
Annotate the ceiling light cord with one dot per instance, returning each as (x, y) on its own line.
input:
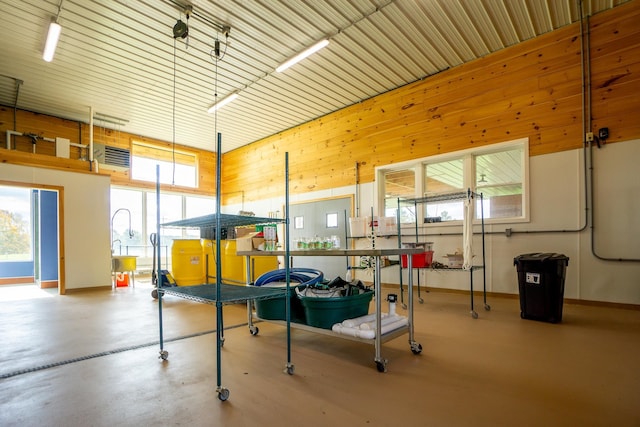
(173, 114)
(215, 98)
(59, 10)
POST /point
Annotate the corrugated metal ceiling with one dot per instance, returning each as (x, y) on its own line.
(120, 57)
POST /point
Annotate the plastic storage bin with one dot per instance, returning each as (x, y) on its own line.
(420, 260)
(541, 284)
(358, 227)
(381, 225)
(275, 308)
(323, 312)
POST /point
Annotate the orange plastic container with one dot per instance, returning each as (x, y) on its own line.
(122, 280)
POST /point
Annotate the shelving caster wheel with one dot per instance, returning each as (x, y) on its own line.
(381, 365)
(289, 369)
(404, 306)
(474, 314)
(416, 348)
(254, 330)
(223, 394)
(154, 294)
(164, 354)
(487, 307)
(420, 300)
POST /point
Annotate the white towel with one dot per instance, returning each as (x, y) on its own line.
(467, 233)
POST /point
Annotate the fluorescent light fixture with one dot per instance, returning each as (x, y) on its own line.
(52, 41)
(299, 57)
(218, 105)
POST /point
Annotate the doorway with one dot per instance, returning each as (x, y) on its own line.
(323, 219)
(31, 242)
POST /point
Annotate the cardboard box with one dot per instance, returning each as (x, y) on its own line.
(244, 231)
(248, 242)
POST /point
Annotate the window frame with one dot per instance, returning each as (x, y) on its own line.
(469, 179)
(165, 156)
(148, 198)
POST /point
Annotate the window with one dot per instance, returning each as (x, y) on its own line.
(499, 179)
(170, 210)
(332, 220)
(399, 184)
(498, 172)
(441, 178)
(176, 167)
(141, 205)
(195, 207)
(126, 217)
(15, 224)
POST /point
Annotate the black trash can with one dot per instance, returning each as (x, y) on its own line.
(541, 284)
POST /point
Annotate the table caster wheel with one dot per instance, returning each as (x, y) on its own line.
(223, 394)
(416, 348)
(420, 300)
(487, 307)
(474, 314)
(382, 366)
(289, 369)
(164, 354)
(254, 330)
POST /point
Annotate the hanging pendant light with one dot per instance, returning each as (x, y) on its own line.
(52, 36)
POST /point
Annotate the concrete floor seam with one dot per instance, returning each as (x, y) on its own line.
(109, 352)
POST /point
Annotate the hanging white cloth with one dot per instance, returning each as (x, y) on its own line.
(467, 232)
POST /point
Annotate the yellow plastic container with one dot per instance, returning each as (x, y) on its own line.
(209, 256)
(260, 265)
(234, 267)
(187, 264)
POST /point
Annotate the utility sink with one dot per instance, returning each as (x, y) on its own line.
(122, 263)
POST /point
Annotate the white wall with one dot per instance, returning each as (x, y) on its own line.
(86, 221)
(557, 204)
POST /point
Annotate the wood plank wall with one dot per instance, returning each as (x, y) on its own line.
(532, 90)
(50, 127)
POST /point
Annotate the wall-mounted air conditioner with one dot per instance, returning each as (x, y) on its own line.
(112, 157)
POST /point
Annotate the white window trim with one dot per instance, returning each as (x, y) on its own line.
(418, 164)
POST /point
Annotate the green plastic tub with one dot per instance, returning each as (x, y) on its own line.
(274, 309)
(325, 312)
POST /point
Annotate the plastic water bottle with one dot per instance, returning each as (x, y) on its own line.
(392, 298)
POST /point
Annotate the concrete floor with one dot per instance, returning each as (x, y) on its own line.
(91, 359)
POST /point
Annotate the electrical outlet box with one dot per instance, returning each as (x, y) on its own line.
(589, 136)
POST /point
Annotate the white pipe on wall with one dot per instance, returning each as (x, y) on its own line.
(9, 133)
(91, 135)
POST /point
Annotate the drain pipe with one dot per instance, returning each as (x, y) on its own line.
(357, 173)
(591, 170)
(91, 140)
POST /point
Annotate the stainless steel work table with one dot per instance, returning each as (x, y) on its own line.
(379, 338)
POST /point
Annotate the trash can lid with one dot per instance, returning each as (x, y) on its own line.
(541, 257)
